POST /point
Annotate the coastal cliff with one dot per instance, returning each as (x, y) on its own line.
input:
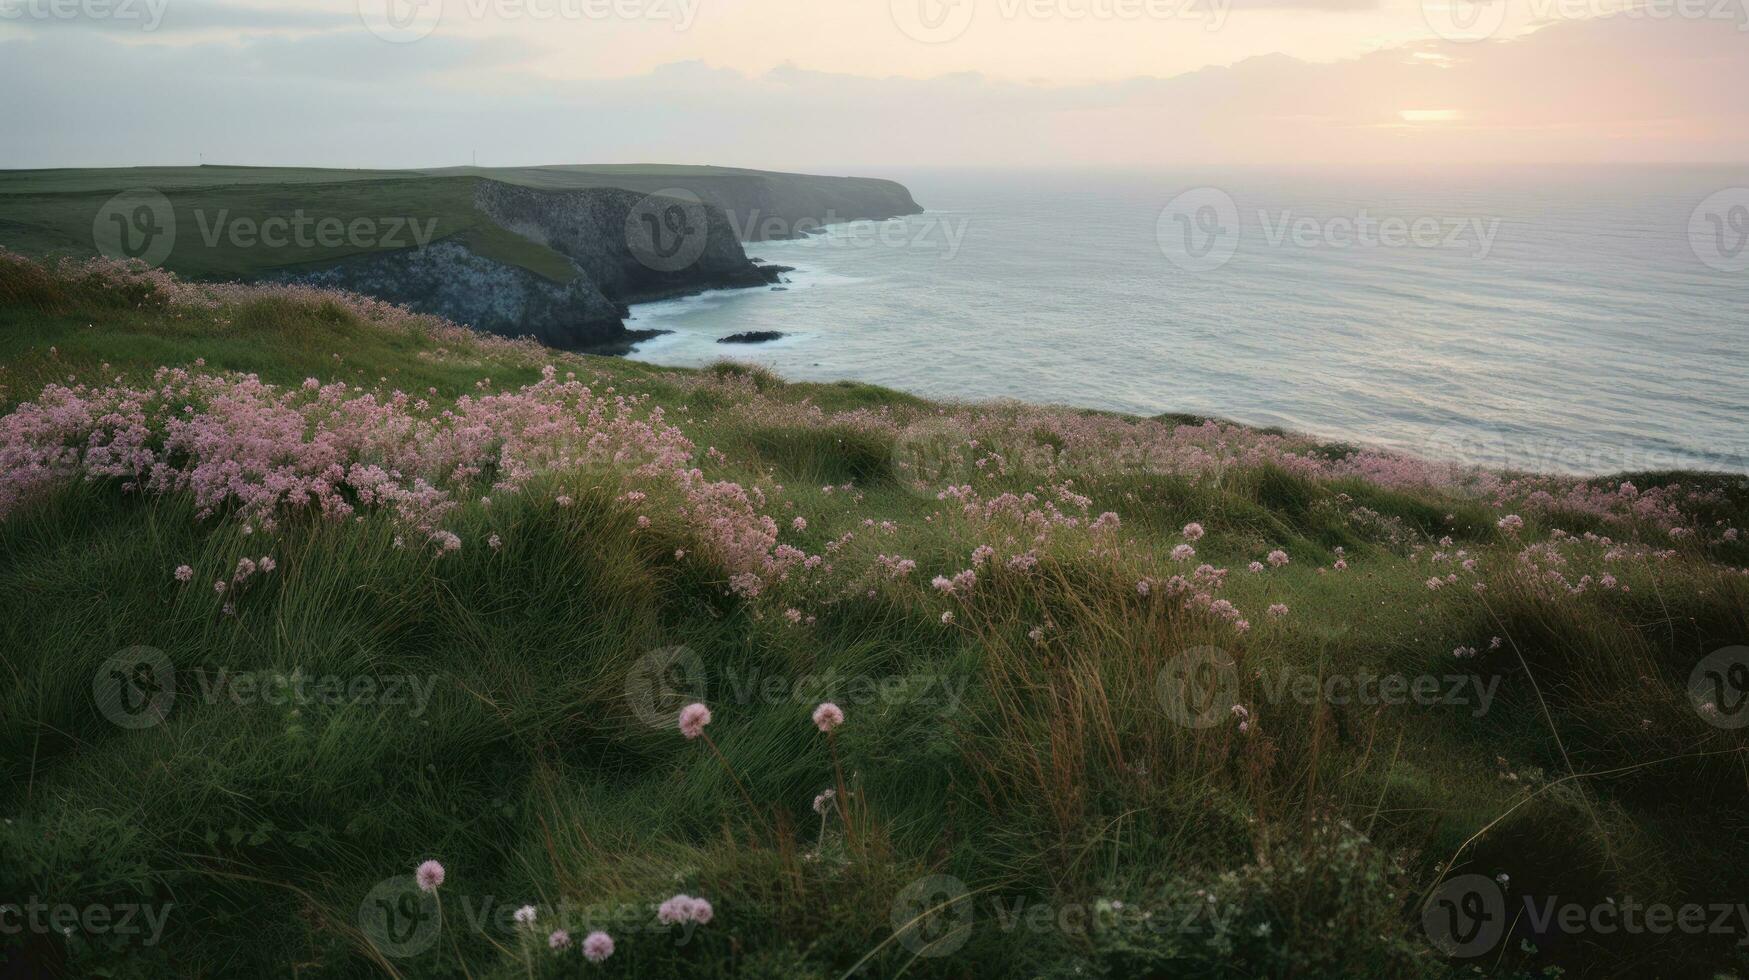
(557, 253)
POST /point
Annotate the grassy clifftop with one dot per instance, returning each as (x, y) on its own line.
(58, 212)
(299, 591)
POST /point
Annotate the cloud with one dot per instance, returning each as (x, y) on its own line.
(1606, 90)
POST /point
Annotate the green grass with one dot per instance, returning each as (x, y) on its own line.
(219, 227)
(1048, 777)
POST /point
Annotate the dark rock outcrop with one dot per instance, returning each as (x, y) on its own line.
(751, 337)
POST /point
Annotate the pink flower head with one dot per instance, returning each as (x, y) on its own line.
(524, 916)
(684, 908)
(560, 939)
(1278, 558)
(828, 716)
(1511, 524)
(1183, 552)
(429, 875)
(1193, 531)
(1277, 610)
(693, 718)
(597, 946)
(184, 573)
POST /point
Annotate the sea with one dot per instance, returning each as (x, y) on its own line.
(1583, 320)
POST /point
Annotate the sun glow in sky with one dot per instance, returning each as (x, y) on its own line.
(792, 83)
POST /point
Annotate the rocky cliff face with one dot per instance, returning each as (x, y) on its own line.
(635, 247)
(447, 279)
(625, 246)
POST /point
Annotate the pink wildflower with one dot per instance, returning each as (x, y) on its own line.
(1277, 558)
(1183, 552)
(559, 940)
(684, 908)
(1277, 610)
(693, 718)
(597, 946)
(828, 716)
(1193, 531)
(524, 916)
(429, 876)
(184, 573)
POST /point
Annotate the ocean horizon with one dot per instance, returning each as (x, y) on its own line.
(1583, 321)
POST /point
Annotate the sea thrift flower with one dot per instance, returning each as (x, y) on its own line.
(828, 716)
(1193, 531)
(1142, 587)
(184, 573)
(429, 876)
(693, 718)
(1183, 552)
(800, 524)
(1255, 567)
(1511, 524)
(684, 908)
(597, 946)
(822, 800)
(1278, 558)
(267, 564)
(524, 916)
(1277, 610)
(947, 617)
(559, 940)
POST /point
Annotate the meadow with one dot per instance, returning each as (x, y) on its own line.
(342, 641)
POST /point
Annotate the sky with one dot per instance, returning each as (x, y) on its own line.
(857, 85)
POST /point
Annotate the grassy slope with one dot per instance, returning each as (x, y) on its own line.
(1058, 780)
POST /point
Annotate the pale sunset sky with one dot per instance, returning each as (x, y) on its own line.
(836, 84)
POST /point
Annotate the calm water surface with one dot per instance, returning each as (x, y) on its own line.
(1551, 320)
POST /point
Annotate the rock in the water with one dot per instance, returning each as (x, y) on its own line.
(751, 337)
